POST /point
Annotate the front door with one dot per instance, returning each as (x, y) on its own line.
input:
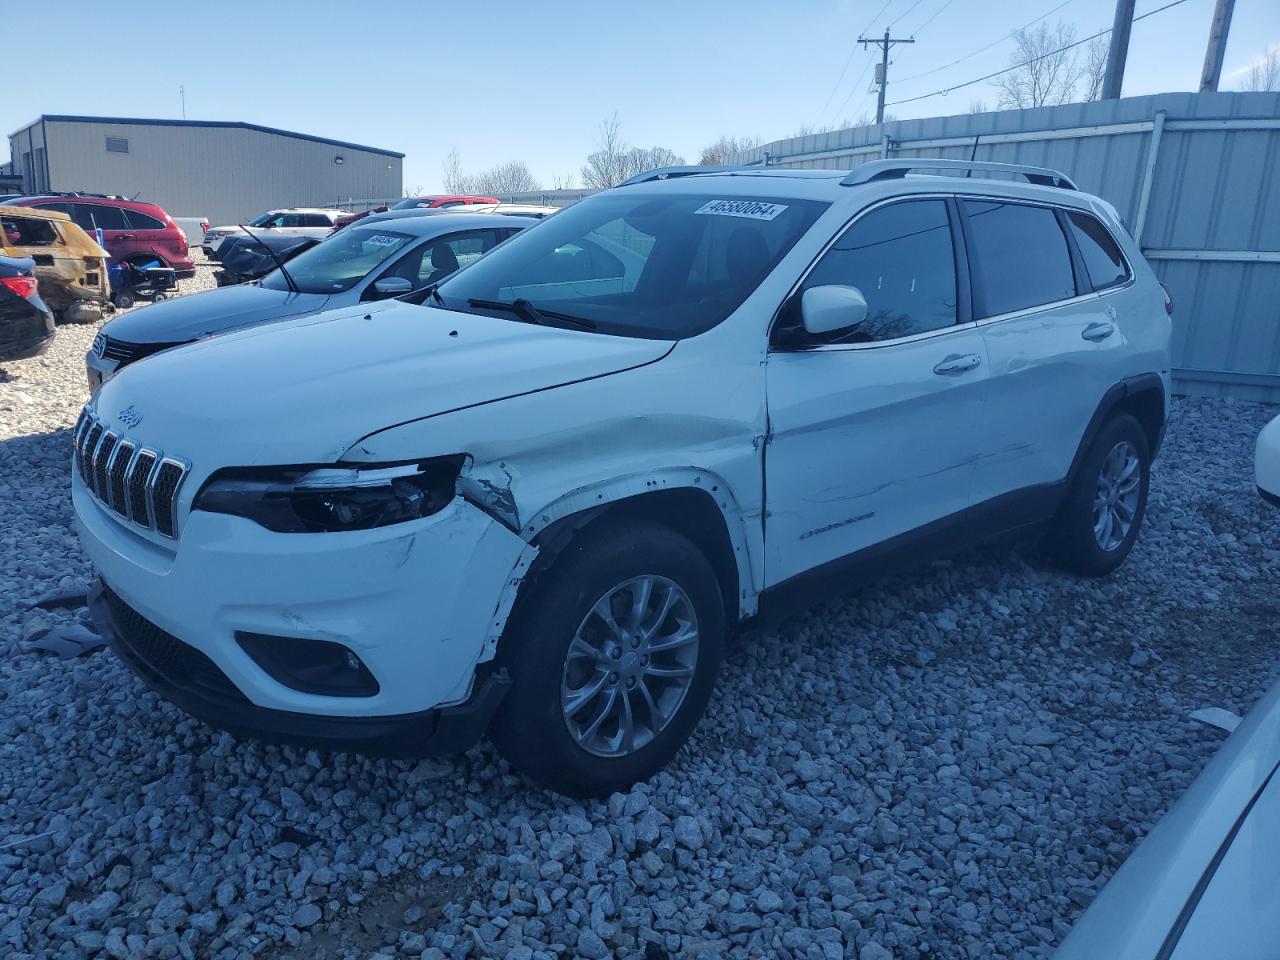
(873, 431)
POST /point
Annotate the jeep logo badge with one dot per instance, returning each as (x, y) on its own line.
(129, 416)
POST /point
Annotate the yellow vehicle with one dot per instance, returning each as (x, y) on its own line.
(70, 266)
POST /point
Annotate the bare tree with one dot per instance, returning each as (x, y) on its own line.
(514, 176)
(614, 160)
(562, 181)
(605, 164)
(724, 148)
(1046, 73)
(1264, 73)
(455, 181)
(1095, 68)
(416, 190)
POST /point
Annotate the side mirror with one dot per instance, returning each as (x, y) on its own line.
(392, 287)
(832, 307)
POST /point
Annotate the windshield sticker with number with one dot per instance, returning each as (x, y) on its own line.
(378, 240)
(751, 209)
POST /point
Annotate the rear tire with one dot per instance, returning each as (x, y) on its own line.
(1102, 515)
(602, 697)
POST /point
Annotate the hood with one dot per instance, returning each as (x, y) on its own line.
(306, 390)
(199, 315)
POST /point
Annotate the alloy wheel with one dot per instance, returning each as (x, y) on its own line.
(630, 666)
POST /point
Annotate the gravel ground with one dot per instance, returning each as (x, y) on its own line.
(949, 764)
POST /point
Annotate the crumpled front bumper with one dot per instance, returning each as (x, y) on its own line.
(193, 683)
(416, 602)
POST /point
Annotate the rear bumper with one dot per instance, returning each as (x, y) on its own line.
(28, 350)
(191, 681)
(1271, 498)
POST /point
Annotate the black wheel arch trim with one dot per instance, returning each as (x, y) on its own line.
(1129, 387)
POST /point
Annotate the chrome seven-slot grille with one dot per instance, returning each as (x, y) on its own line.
(138, 483)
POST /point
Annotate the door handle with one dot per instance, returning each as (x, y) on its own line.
(958, 364)
(123, 236)
(1098, 331)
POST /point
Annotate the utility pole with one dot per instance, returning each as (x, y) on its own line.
(1118, 52)
(1217, 46)
(882, 68)
(182, 92)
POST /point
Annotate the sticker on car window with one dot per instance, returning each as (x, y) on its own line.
(751, 209)
(378, 240)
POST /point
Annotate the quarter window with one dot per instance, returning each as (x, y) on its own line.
(1018, 257)
(1102, 257)
(142, 221)
(902, 259)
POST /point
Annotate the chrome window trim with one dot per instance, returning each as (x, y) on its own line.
(1053, 304)
(942, 331)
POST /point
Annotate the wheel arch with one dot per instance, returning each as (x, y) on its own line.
(693, 502)
(1144, 398)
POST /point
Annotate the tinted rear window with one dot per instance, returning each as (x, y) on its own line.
(1102, 257)
(1018, 257)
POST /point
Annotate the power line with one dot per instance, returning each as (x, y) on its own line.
(993, 43)
(849, 60)
(936, 13)
(904, 13)
(1018, 66)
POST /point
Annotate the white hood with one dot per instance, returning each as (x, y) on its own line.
(304, 391)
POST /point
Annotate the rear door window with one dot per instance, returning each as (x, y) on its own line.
(1018, 257)
(902, 259)
(1102, 257)
(434, 260)
(91, 216)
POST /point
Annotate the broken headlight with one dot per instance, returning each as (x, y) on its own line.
(330, 499)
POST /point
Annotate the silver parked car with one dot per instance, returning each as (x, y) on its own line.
(365, 262)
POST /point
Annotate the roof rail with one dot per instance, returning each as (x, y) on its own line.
(668, 173)
(896, 169)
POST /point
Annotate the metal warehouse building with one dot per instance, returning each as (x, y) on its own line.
(226, 171)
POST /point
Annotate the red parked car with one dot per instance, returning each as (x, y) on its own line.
(432, 202)
(133, 231)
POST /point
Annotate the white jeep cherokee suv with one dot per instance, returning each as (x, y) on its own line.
(534, 499)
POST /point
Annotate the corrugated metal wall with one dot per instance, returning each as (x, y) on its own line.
(1195, 176)
(227, 174)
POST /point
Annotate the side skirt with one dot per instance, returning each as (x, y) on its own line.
(1013, 515)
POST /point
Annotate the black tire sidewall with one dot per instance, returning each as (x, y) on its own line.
(528, 728)
(1077, 546)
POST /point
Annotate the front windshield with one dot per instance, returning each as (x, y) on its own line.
(636, 264)
(411, 203)
(260, 220)
(339, 262)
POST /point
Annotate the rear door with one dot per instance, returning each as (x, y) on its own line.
(1053, 344)
(117, 236)
(152, 235)
(873, 431)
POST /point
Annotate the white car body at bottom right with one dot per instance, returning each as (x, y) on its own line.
(1267, 462)
(1205, 883)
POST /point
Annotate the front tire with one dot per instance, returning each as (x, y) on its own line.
(1102, 514)
(613, 657)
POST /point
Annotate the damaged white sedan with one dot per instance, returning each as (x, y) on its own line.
(534, 499)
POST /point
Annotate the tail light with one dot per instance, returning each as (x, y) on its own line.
(204, 226)
(22, 286)
(1168, 300)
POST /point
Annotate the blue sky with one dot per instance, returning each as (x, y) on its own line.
(517, 80)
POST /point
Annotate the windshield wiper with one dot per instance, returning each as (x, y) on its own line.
(530, 313)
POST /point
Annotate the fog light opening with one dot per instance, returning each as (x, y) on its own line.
(320, 667)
